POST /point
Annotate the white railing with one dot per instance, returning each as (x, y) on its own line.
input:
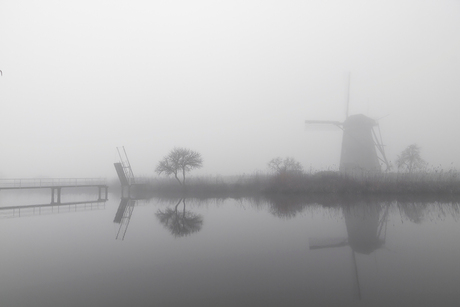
(46, 182)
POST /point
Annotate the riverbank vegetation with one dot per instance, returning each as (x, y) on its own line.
(286, 177)
(324, 185)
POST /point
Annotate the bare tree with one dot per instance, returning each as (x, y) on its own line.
(179, 160)
(410, 159)
(288, 165)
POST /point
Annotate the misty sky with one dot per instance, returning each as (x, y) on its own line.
(234, 80)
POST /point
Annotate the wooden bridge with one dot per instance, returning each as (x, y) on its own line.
(56, 185)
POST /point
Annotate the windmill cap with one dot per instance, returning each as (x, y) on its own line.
(359, 120)
(365, 247)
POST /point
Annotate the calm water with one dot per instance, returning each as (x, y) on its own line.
(227, 253)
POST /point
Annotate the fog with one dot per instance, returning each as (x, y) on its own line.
(233, 80)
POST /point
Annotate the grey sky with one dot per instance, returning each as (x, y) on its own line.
(234, 80)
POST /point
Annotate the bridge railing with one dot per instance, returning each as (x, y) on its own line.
(45, 182)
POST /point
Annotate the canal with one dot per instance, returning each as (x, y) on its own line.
(246, 252)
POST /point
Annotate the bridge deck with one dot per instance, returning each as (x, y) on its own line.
(41, 183)
(55, 186)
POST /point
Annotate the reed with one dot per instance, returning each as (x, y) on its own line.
(437, 185)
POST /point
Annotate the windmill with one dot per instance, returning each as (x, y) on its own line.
(362, 147)
(364, 225)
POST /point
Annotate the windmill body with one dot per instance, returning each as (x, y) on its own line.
(358, 145)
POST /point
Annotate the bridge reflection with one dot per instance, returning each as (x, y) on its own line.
(52, 208)
(123, 216)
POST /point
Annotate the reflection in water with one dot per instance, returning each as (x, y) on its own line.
(286, 206)
(364, 223)
(182, 223)
(265, 261)
(413, 211)
(418, 212)
(415, 208)
(364, 226)
(123, 216)
(52, 208)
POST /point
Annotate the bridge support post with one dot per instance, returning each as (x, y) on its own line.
(58, 195)
(126, 189)
(106, 192)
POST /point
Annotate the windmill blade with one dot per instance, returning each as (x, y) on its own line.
(356, 288)
(328, 122)
(381, 117)
(320, 243)
(383, 223)
(323, 125)
(348, 96)
(380, 147)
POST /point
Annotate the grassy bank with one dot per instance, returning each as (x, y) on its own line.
(322, 185)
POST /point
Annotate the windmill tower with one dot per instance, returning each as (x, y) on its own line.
(362, 148)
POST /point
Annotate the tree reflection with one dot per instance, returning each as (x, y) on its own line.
(287, 207)
(180, 223)
(415, 212)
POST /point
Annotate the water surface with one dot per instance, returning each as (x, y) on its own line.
(227, 253)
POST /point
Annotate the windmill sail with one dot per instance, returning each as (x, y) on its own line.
(380, 148)
(322, 125)
(355, 284)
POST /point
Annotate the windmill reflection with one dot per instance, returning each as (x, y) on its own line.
(366, 225)
(180, 223)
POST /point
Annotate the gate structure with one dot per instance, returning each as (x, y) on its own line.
(124, 171)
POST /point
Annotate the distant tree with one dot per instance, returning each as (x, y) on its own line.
(179, 160)
(288, 165)
(410, 159)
